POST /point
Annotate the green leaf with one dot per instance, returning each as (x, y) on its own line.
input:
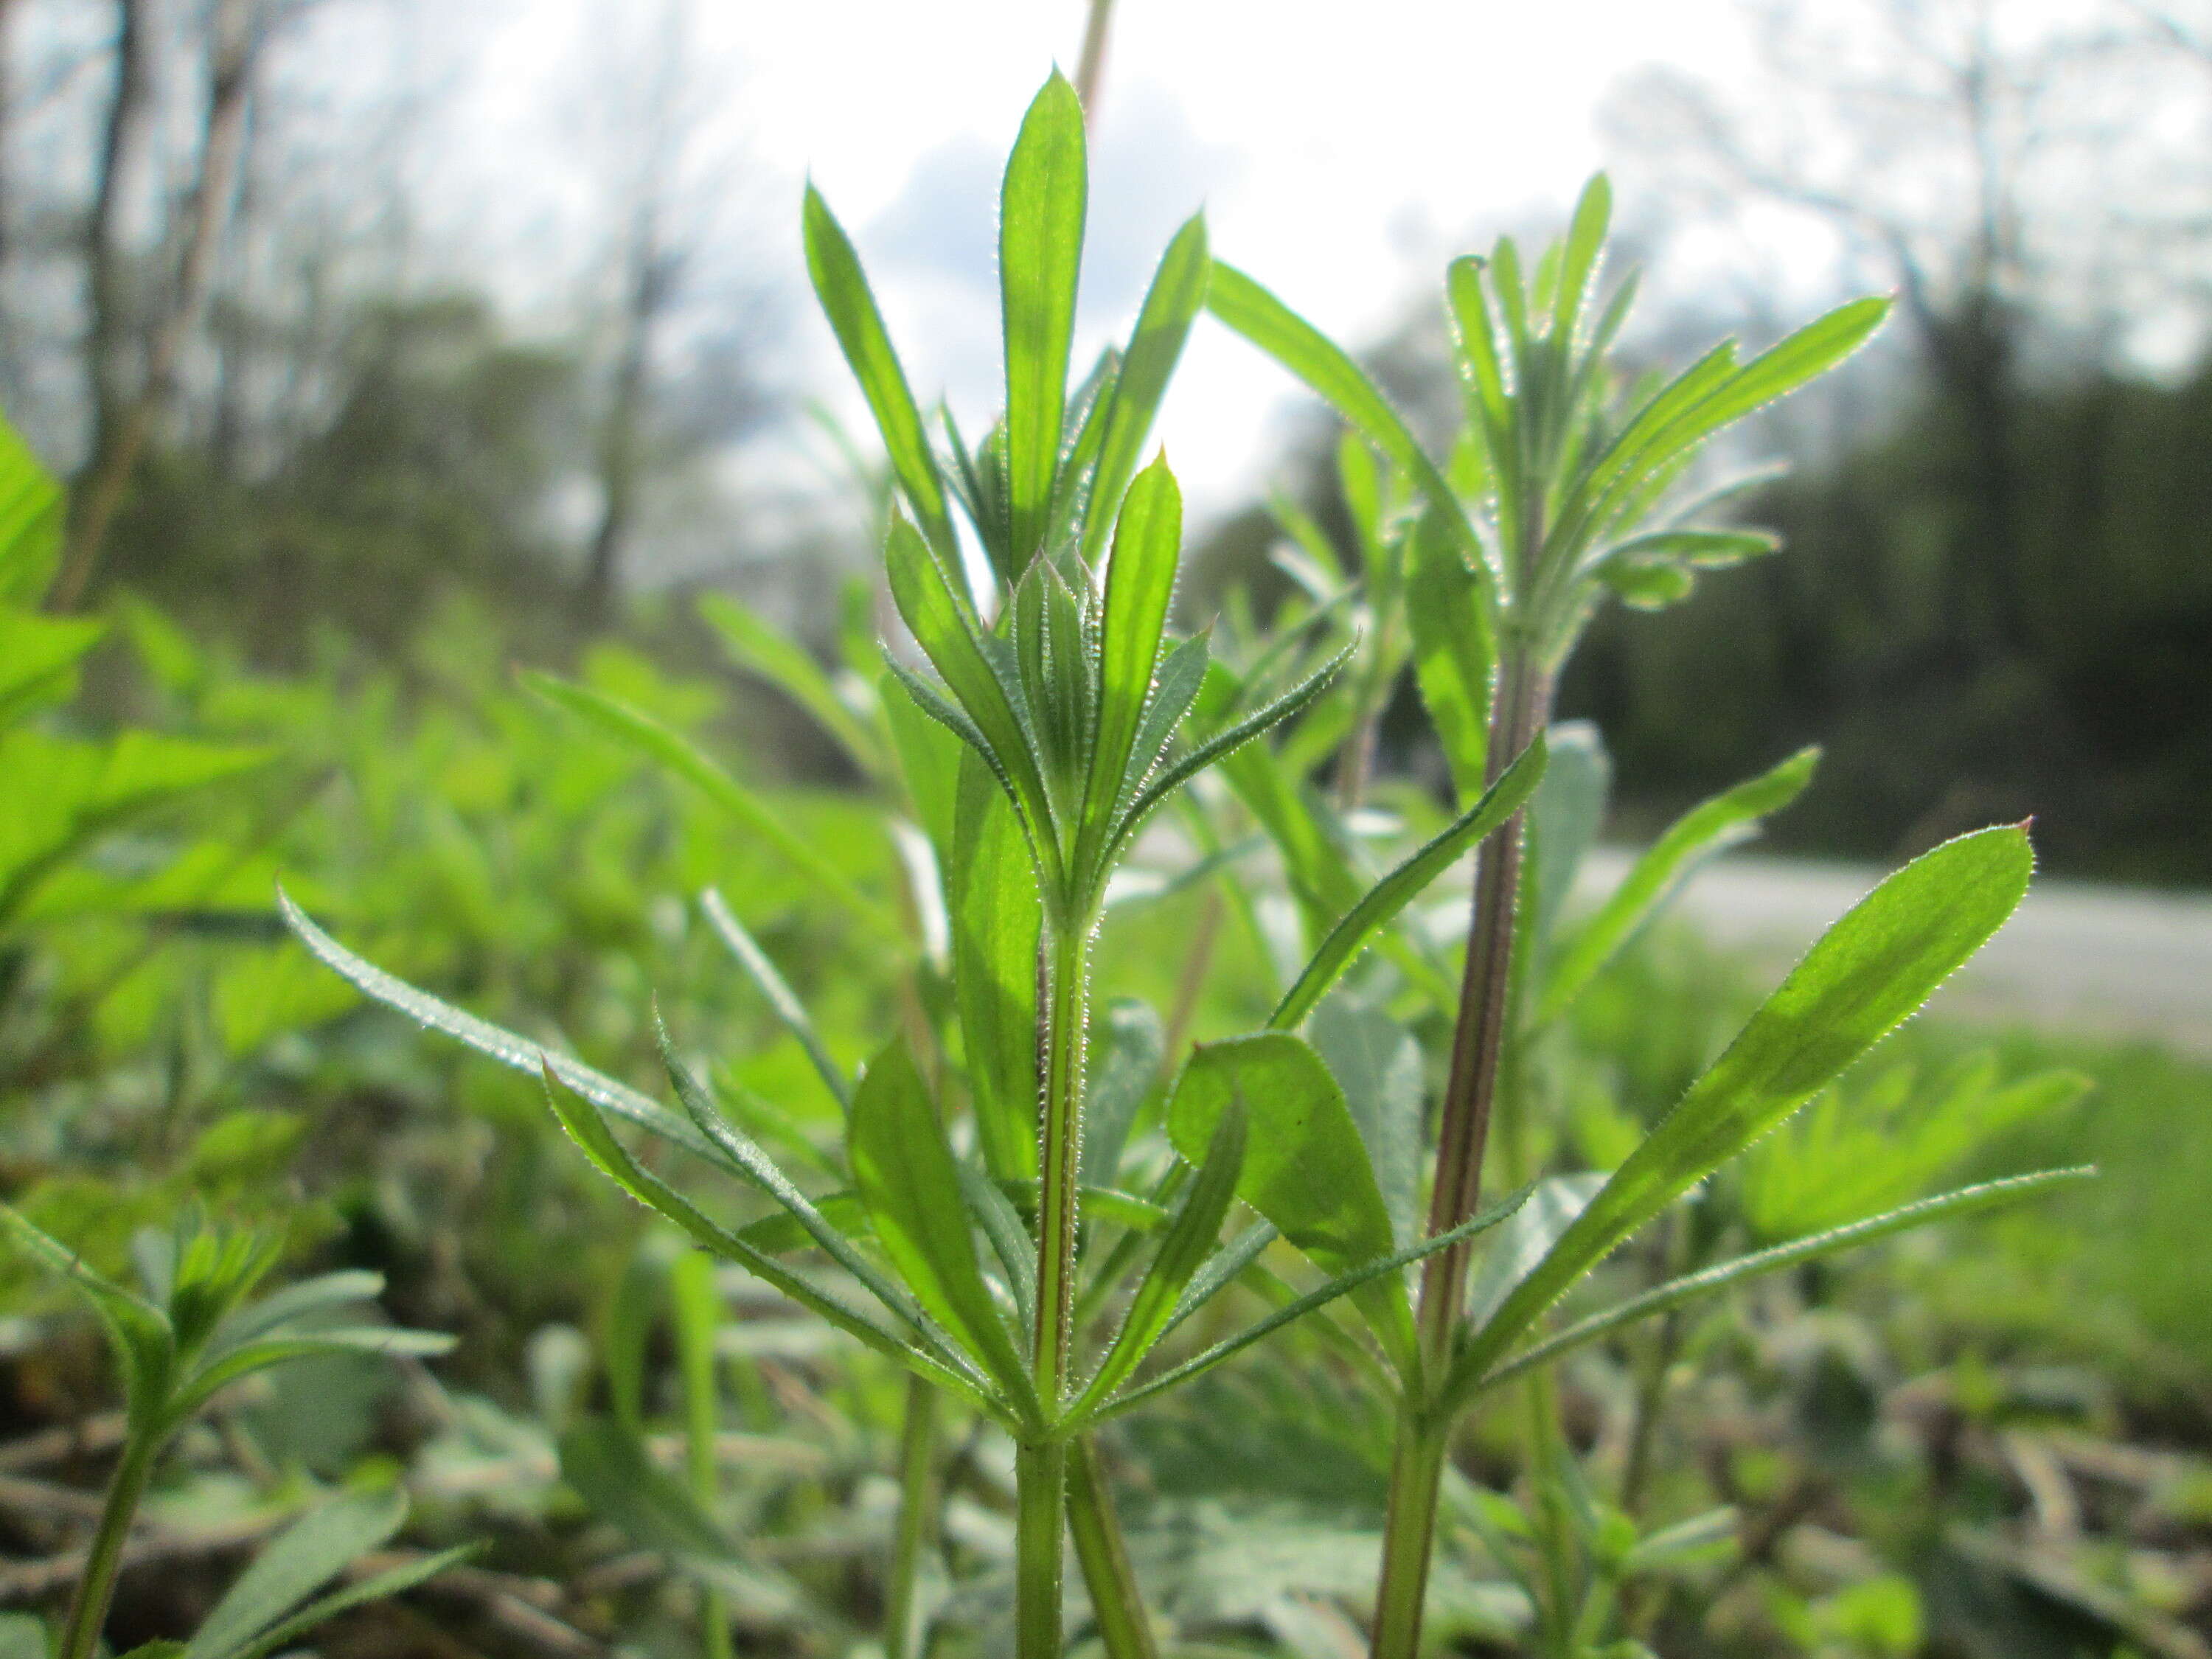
(1578, 261)
(1455, 650)
(842, 288)
(1563, 819)
(1527, 1239)
(670, 748)
(1040, 211)
(485, 1038)
(1291, 341)
(1171, 304)
(1677, 1291)
(1867, 974)
(1121, 1076)
(1305, 1166)
(789, 1011)
(997, 921)
(1377, 1064)
(307, 1298)
(744, 1158)
(582, 1119)
(145, 1344)
(385, 1341)
(1009, 1239)
(761, 649)
(907, 1177)
(374, 1587)
(947, 630)
(1388, 896)
(929, 754)
(1189, 1242)
(30, 522)
(1165, 782)
(1139, 586)
(309, 1553)
(1646, 586)
(1346, 1284)
(1706, 829)
(1704, 549)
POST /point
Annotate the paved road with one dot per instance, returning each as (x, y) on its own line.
(2076, 956)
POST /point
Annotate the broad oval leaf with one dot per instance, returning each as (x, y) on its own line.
(1305, 1166)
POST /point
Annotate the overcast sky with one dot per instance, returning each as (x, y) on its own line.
(1341, 154)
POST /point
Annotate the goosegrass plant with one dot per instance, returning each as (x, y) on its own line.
(188, 1333)
(1022, 1259)
(1570, 482)
(1046, 737)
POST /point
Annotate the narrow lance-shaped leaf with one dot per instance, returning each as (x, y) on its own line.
(1009, 1239)
(1222, 743)
(504, 1046)
(1454, 650)
(1305, 1167)
(1676, 1293)
(997, 921)
(1171, 304)
(1388, 896)
(1702, 831)
(582, 1119)
(374, 1587)
(1291, 341)
(1866, 976)
(1189, 1241)
(781, 998)
(907, 1177)
(1139, 588)
(670, 748)
(947, 631)
(842, 288)
(1040, 212)
(1578, 263)
(309, 1553)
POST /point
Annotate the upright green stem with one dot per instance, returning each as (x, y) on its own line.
(917, 1508)
(88, 1609)
(1063, 990)
(1040, 1477)
(1479, 1040)
(1115, 1603)
(1416, 1473)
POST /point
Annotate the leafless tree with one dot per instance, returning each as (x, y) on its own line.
(1957, 156)
(123, 413)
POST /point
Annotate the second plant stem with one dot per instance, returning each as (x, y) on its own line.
(1478, 1043)
(88, 1610)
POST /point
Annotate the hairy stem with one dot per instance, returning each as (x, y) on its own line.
(1063, 990)
(917, 1511)
(89, 1608)
(1115, 1601)
(1478, 1042)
